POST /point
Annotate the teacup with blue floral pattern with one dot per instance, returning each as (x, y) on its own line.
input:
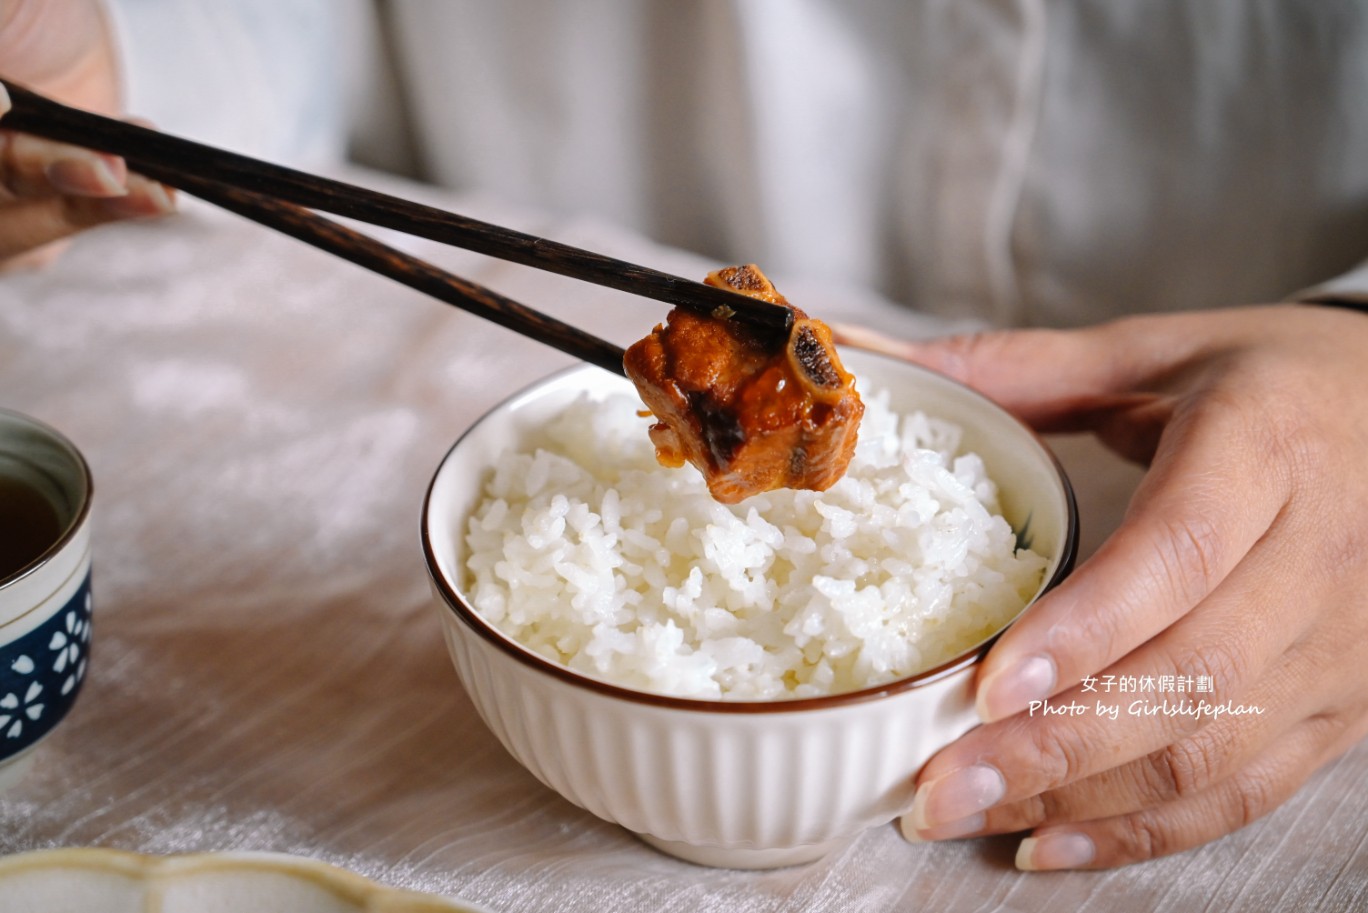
(45, 604)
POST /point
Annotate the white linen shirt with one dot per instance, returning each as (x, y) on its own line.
(1019, 161)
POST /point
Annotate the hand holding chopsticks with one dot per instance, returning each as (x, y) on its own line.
(279, 197)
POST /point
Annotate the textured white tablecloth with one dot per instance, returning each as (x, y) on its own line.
(267, 670)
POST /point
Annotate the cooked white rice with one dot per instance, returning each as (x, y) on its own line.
(589, 553)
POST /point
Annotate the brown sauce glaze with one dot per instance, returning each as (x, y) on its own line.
(753, 410)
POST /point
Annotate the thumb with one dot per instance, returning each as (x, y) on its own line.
(62, 48)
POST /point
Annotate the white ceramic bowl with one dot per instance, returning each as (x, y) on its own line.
(112, 881)
(729, 783)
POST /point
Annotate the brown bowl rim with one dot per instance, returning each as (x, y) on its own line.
(466, 613)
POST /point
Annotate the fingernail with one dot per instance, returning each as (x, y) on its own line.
(144, 198)
(1055, 851)
(161, 198)
(95, 175)
(957, 795)
(5, 103)
(1012, 689)
(954, 830)
(909, 830)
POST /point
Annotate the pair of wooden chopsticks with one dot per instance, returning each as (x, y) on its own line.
(282, 198)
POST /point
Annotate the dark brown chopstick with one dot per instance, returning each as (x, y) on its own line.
(145, 149)
(365, 251)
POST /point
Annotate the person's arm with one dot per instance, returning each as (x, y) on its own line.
(1241, 565)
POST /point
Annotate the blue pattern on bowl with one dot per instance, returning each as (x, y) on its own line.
(41, 674)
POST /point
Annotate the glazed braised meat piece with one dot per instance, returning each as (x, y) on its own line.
(753, 410)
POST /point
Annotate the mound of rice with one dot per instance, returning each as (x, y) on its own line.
(589, 553)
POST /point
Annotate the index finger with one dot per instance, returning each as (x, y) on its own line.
(1205, 502)
(34, 167)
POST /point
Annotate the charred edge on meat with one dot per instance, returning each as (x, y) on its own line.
(744, 279)
(812, 358)
(720, 427)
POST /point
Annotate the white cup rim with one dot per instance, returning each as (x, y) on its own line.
(81, 495)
